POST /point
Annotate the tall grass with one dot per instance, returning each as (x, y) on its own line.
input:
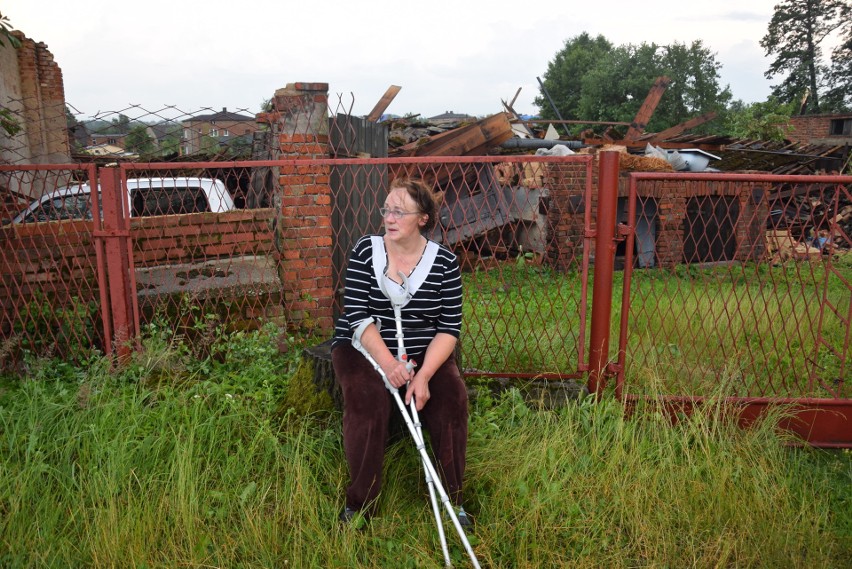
(188, 459)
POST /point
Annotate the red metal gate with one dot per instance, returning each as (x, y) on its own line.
(759, 315)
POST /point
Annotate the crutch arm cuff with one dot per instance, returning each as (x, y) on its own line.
(356, 336)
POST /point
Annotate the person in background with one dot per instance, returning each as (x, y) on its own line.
(431, 322)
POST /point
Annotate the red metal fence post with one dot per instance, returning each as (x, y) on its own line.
(115, 233)
(604, 261)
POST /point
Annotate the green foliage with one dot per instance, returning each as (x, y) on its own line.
(795, 35)
(303, 397)
(579, 56)
(589, 79)
(46, 327)
(768, 120)
(6, 33)
(180, 457)
(9, 122)
(139, 141)
(839, 95)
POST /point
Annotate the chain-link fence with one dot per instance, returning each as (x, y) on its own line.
(739, 285)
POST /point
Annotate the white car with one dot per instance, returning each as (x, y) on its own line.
(146, 197)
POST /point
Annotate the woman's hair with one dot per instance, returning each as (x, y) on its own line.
(423, 196)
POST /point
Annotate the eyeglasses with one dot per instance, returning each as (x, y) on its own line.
(396, 213)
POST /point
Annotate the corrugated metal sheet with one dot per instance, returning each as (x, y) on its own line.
(358, 191)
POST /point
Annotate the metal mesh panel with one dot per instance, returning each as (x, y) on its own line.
(751, 290)
(521, 315)
(51, 300)
(200, 263)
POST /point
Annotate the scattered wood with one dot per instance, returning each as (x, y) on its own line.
(383, 103)
(471, 140)
(637, 127)
(680, 128)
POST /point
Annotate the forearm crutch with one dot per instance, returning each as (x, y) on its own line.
(397, 302)
(421, 448)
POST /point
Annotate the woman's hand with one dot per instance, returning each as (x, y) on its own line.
(419, 388)
(398, 373)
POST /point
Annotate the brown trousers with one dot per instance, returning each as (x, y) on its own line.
(367, 408)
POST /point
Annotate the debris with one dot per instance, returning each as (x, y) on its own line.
(383, 103)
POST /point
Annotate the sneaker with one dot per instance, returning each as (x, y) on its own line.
(465, 520)
(356, 518)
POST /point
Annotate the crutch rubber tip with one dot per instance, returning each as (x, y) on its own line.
(465, 520)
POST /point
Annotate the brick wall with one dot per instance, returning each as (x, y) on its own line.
(564, 204)
(44, 138)
(807, 129)
(566, 210)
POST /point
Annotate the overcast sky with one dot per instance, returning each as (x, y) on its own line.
(463, 56)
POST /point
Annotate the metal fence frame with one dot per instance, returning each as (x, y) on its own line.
(821, 421)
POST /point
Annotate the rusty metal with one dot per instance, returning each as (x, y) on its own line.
(517, 223)
(604, 256)
(51, 302)
(772, 321)
(119, 263)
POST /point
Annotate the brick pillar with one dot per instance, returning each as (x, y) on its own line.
(301, 113)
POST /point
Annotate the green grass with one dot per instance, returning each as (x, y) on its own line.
(191, 457)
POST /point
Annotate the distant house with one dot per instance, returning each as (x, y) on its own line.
(833, 129)
(106, 149)
(450, 118)
(201, 131)
(114, 140)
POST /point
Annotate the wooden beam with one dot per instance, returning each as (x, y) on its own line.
(646, 111)
(515, 117)
(515, 98)
(471, 140)
(383, 103)
(684, 126)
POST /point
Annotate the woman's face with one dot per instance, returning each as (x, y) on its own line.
(403, 220)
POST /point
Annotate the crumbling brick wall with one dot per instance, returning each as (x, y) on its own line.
(32, 88)
(566, 210)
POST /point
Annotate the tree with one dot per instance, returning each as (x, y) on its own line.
(839, 96)
(139, 142)
(795, 36)
(591, 80)
(121, 125)
(562, 80)
(769, 120)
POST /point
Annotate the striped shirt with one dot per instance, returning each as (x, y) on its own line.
(435, 305)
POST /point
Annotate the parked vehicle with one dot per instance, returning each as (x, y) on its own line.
(145, 197)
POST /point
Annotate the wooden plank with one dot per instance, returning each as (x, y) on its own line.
(684, 126)
(646, 111)
(516, 118)
(470, 140)
(383, 103)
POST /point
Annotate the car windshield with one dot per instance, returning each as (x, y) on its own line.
(62, 207)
